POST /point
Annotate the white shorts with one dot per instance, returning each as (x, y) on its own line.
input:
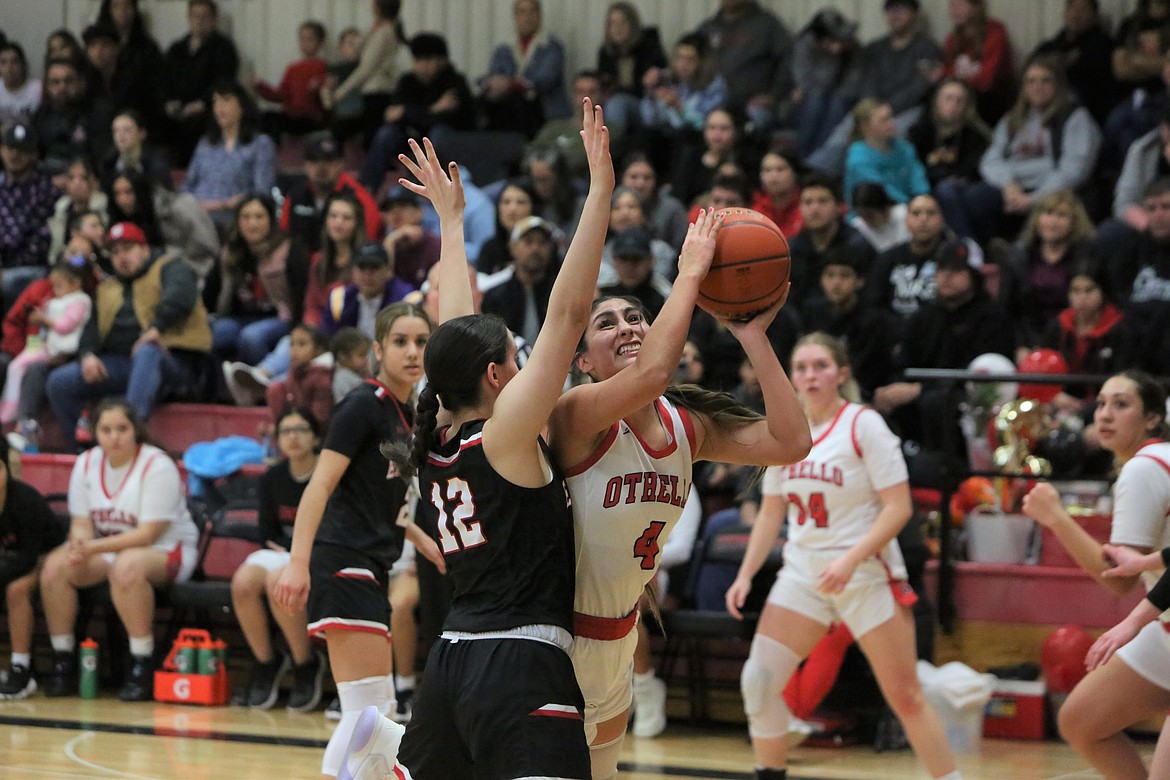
(605, 672)
(866, 602)
(181, 560)
(1148, 654)
(268, 560)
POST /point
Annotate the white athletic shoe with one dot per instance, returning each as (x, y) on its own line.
(798, 731)
(649, 707)
(372, 753)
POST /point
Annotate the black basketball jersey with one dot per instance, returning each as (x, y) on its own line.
(363, 510)
(509, 549)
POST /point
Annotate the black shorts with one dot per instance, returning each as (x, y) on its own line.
(347, 592)
(497, 709)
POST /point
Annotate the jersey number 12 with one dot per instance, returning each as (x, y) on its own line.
(455, 533)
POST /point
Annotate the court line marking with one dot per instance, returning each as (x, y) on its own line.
(71, 751)
(53, 772)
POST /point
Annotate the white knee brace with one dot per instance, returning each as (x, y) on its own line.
(768, 669)
(355, 696)
(604, 758)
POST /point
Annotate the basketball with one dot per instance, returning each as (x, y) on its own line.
(750, 270)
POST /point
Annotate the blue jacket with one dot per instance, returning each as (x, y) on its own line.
(342, 310)
(898, 170)
(544, 70)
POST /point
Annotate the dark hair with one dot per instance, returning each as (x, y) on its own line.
(396, 311)
(1157, 188)
(564, 202)
(320, 342)
(238, 256)
(1153, 397)
(75, 221)
(871, 195)
(456, 357)
(13, 46)
(85, 162)
(68, 62)
(389, 10)
(209, 3)
(144, 217)
(696, 41)
(76, 58)
(1090, 265)
(141, 436)
(316, 27)
(349, 340)
(305, 414)
(524, 184)
(97, 32)
(133, 115)
(137, 27)
(824, 182)
(428, 46)
(736, 182)
(327, 270)
(75, 272)
(583, 342)
(249, 113)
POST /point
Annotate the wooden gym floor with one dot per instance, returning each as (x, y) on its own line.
(71, 738)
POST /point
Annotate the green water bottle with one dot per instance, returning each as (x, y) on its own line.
(207, 658)
(89, 669)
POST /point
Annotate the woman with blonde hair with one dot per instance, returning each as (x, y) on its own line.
(878, 154)
(950, 138)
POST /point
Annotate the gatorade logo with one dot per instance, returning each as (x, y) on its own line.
(89, 663)
(182, 688)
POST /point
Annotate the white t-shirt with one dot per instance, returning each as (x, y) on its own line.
(21, 103)
(1141, 501)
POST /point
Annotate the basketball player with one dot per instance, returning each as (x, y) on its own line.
(1133, 684)
(130, 526)
(345, 536)
(845, 504)
(499, 699)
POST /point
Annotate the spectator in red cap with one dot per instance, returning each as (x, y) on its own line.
(27, 196)
(148, 325)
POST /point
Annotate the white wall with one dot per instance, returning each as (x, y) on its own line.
(265, 30)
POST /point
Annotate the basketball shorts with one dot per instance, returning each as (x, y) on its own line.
(497, 709)
(869, 600)
(1148, 654)
(347, 592)
(268, 560)
(181, 560)
(605, 670)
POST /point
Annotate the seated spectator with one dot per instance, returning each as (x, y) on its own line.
(524, 86)
(20, 94)
(753, 52)
(628, 51)
(880, 220)
(1141, 273)
(515, 202)
(824, 58)
(1147, 160)
(61, 319)
(346, 114)
(27, 198)
(28, 532)
(1034, 282)
(374, 287)
(140, 60)
(1087, 52)
(101, 49)
(68, 123)
(1046, 142)
(695, 165)
(432, 99)
(879, 155)
(233, 158)
(628, 211)
(824, 228)
(666, 216)
(778, 197)
(139, 537)
(1091, 334)
(298, 435)
(309, 384)
(257, 289)
(82, 195)
(373, 78)
(563, 133)
(413, 249)
(299, 91)
(977, 50)
(558, 198)
(148, 324)
(131, 152)
(478, 216)
(678, 99)
(173, 220)
(841, 312)
(332, 265)
(632, 269)
(351, 360)
(961, 323)
(893, 69)
(192, 68)
(1141, 63)
(521, 299)
(728, 190)
(303, 212)
(950, 138)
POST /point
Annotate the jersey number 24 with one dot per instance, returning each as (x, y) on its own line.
(455, 533)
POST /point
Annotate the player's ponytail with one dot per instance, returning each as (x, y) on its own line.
(409, 457)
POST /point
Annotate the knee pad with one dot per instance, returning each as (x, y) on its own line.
(768, 668)
(604, 758)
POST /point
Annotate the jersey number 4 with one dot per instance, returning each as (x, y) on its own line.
(646, 547)
(455, 533)
(816, 509)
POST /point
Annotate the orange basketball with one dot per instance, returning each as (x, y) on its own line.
(750, 270)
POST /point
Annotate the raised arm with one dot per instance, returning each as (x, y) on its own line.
(594, 407)
(444, 189)
(523, 407)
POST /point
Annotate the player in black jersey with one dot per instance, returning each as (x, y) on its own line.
(499, 699)
(350, 523)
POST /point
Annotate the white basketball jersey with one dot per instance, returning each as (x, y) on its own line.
(147, 490)
(627, 497)
(1141, 502)
(832, 494)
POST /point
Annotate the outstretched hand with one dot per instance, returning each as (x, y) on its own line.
(443, 188)
(595, 135)
(698, 248)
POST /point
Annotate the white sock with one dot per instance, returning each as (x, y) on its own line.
(403, 682)
(22, 659)
(63, 643)
(355, 696)
(142, 646)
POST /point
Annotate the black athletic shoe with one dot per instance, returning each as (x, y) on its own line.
(264, 684)
(307, 678)
(18, 683)
(139, 684)
(62, 680)
(404, 707)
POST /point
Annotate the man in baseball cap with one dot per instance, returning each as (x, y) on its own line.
(374, 286)
(303, 213)
(27, 196)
